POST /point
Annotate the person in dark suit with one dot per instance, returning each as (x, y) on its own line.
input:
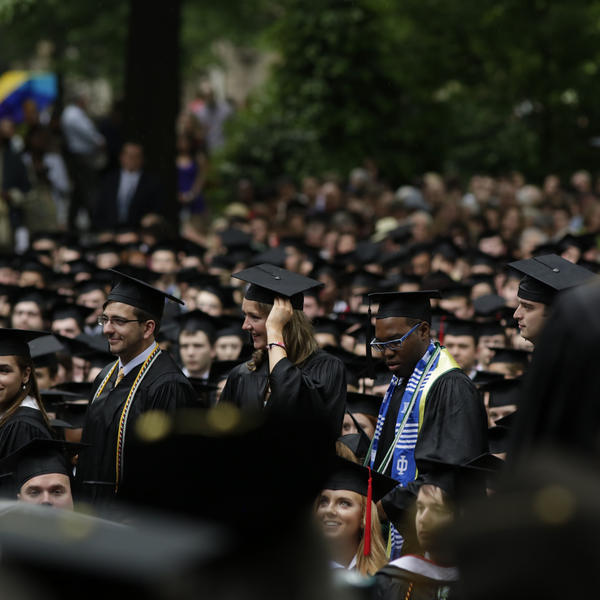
(127, 195)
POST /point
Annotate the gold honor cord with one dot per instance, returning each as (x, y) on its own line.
(125, 412)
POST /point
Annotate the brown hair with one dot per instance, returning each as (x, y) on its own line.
(369, 565)
(298, 337)
(31, 389)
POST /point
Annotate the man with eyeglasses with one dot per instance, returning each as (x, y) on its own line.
(142, 379)
(431, 409)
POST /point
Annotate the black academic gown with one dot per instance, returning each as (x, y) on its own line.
(163, 388)
(24, 425)
(316, 389)
(394, 583)
(454, 430)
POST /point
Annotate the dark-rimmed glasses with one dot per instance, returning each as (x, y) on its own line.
(115, 321)
(392, 345)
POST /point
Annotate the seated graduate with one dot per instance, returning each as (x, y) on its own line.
(22, 413)
(287, 372)
(431, 573)
(362, 411)
(41, 473)
(347, 515)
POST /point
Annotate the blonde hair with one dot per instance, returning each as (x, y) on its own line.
(31, 389)
(369, 565)
(298, 337)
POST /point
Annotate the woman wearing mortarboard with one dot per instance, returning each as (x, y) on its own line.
(22, 414)
(347, 516)
(288, 372)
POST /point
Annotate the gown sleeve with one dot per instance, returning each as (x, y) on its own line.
(171, 396)
(316, 389)
(454, 428)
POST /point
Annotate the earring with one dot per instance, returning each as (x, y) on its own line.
(24, 386)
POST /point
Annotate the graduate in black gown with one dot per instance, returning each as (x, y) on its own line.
(431, 410)
(142, 379)
(288, 372)
(22, 414)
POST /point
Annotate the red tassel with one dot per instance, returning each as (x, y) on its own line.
(441, 331)
(367, 548)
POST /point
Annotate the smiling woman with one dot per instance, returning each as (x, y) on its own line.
(346, 514)
(288, 372)
(22, 414)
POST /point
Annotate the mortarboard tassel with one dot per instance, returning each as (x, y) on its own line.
(441, 331)
(367, 548)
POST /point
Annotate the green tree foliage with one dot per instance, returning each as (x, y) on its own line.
(327, 98)
(426, 84)
(88, 37)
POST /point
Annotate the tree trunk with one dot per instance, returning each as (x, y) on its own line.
(152, 89)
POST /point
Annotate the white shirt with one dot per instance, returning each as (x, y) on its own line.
(128, 183)
(30, 402)
(350, 567)
(138, 360)
(81, 134)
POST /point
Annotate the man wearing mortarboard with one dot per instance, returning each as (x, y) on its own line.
(544, 277)
(143, 378)
(431, 409)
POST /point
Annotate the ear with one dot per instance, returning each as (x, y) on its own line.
(149, 327)
(26, 374)
(425, 330)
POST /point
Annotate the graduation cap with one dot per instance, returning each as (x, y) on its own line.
(439, 280)
(65, 310)
(235, 238)
(268, 282)
(366, 404)
(219, 369)
(41, 296)
(414, 305)
(82, 389)
(40, 457)
(460, 481)
(197, 320)
(547, 275)
(334, 327)
(488, 305)
(461, 327)
(490, 328)
(133, 291)
(347, 475)
(510, 355)
(355, 365)
(351, 476)
(358, 443)
(195, 278)
(457, 290)
(273, 256)
(43, 349)
(14, 342)
(72, 411)
(503, 392)
(481, 378)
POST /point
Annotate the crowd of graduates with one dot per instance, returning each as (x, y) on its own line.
(280, 306)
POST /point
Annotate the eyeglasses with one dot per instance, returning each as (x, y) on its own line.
(116, 321)
(392, 344)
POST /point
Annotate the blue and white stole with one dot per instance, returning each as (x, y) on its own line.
(402, 457)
